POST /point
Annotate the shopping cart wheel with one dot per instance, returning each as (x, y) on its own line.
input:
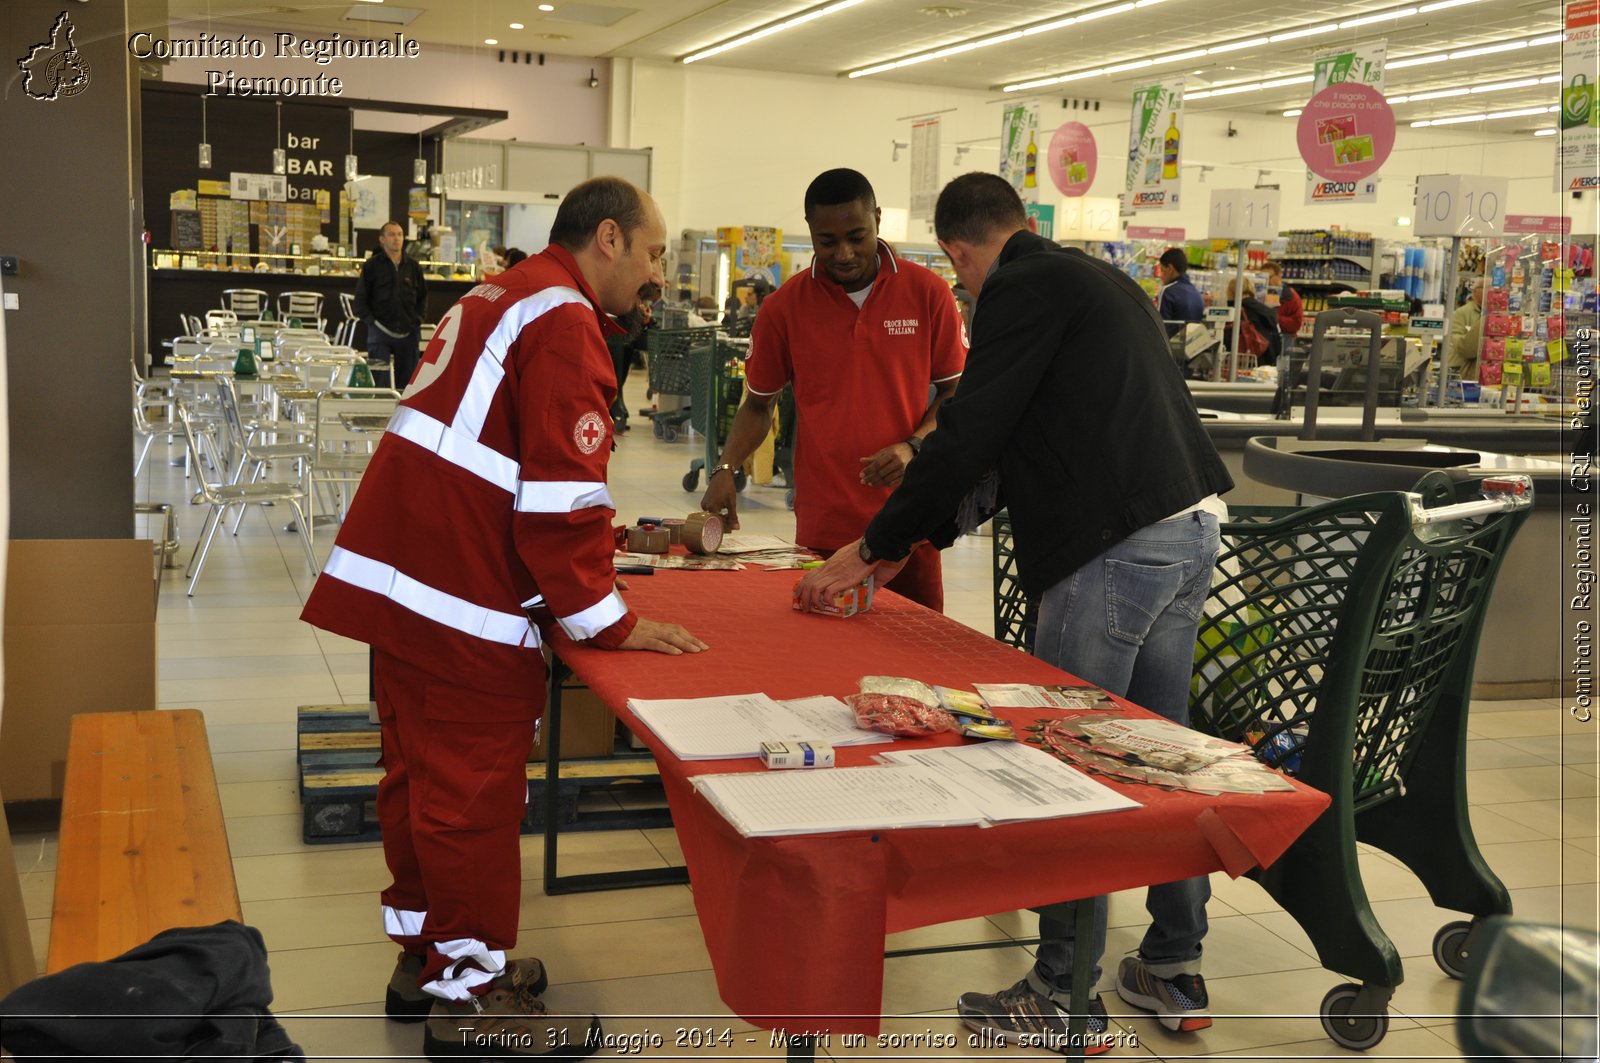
(1359, 1032)
(1450, 948)
(658, 429)
(669, 433)
(691, 479)
(738, 480)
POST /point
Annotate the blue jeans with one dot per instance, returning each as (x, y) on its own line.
(1127, 621)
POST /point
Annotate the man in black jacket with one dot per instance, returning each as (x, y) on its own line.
(1072, 414)
(392, 297)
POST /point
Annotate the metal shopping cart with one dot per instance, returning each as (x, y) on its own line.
(670, 376)
(1339, 643)
(716, 384)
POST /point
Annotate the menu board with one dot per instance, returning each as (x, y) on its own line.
(187, 233)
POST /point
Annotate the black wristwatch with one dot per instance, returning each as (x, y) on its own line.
(864, 552)
(915, 443)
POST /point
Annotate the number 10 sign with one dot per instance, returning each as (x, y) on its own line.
(1456, 205)
(1244, 213)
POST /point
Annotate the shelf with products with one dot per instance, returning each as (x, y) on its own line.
(277, 264)
(1537, 294)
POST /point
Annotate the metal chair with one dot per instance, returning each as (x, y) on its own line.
(306, 306)
(222, 496)
(346, 332)
(246, 303)
(348, 425)
(222, 319)
(146, 399)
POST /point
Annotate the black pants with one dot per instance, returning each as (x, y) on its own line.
(401, 354)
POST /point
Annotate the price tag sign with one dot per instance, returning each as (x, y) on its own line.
(1245, 214)
(1460, 205)
(1087, 218)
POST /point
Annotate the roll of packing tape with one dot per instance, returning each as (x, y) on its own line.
(648, 540)
(674, 527)
(702, 532)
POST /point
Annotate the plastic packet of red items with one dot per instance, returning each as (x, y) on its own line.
(896, 714)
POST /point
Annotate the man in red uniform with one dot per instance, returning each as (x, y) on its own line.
(862, 335)
(486, 505)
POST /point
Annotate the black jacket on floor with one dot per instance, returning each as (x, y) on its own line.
(189, 993)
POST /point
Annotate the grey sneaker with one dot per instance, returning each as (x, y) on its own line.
(1180, 1002)
(507, 1024)
(1021, 1017)
(405, 1002)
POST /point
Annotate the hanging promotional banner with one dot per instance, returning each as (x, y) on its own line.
(1578, 154)
(1364, 66)
(924, 168)
(1155, 146)
(1072, 158)
(1346, 132)
(1019, 148)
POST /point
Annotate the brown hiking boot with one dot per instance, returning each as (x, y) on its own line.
(507, 1024)
(405, 1002)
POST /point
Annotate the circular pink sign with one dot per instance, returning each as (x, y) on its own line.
(1072, 158)
(1346, 132)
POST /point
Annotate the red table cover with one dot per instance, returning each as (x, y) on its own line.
(795, 925)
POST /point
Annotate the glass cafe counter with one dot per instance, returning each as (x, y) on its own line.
(192, 282)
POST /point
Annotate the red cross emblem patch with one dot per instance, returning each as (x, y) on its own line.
(589, 432)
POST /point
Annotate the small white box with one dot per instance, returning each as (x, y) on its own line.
(783, 754)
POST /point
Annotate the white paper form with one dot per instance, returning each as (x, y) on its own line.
(835, 799)
(750, 544)
(735, 725)
(1011, 781)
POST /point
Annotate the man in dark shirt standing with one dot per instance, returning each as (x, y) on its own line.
(391, 298)
(1180, 300)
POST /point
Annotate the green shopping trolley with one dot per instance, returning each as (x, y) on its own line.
(1339, 644)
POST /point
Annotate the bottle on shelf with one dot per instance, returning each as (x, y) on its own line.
(1169, 154)
(1030, 173)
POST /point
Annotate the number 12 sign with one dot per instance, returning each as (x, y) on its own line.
(1457, 205)
(1244, 213)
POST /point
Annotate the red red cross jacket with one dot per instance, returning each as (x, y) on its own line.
(488, 491)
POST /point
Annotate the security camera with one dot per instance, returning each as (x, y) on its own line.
(594, 82)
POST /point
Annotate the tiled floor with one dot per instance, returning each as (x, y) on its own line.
(237, 651)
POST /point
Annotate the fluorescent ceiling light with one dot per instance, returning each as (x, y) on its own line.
(1458, 119)
(1219, 48)
(1440, 5)
(1311, 31)
(1468, 53)
(769, 30)
(1250, 86)
(516, 25)
(1384, 16)
(1488, 49)
(1476, 90)
(1001, 38)
(1544, 132)
(1294, 112)
(1549, 38)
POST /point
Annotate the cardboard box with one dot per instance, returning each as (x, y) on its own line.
(588, 729)
(80, 636)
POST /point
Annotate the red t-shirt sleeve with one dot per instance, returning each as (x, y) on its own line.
(768, 368)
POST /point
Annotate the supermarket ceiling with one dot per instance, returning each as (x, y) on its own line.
(1447, 58)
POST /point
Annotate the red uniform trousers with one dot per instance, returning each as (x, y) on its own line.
(450, 803)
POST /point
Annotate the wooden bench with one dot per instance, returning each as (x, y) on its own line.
(142, 847)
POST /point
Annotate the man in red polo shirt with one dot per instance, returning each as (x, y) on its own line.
(862, 335)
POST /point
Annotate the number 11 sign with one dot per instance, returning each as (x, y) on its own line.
(1244, 214)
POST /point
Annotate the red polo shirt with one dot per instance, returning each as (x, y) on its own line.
(860, 378)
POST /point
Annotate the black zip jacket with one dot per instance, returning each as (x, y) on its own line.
(1070, 393)
(396, 296)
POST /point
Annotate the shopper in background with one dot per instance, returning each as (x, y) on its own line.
(862, 335)
(487, 496)
(1466, 332)
(513, 255)
(1260, 336)
(392, 297)
(626, 346)
(1115, 517)
(1180, 301)
(1291, 312)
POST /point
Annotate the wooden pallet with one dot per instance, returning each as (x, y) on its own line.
(338, 751)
